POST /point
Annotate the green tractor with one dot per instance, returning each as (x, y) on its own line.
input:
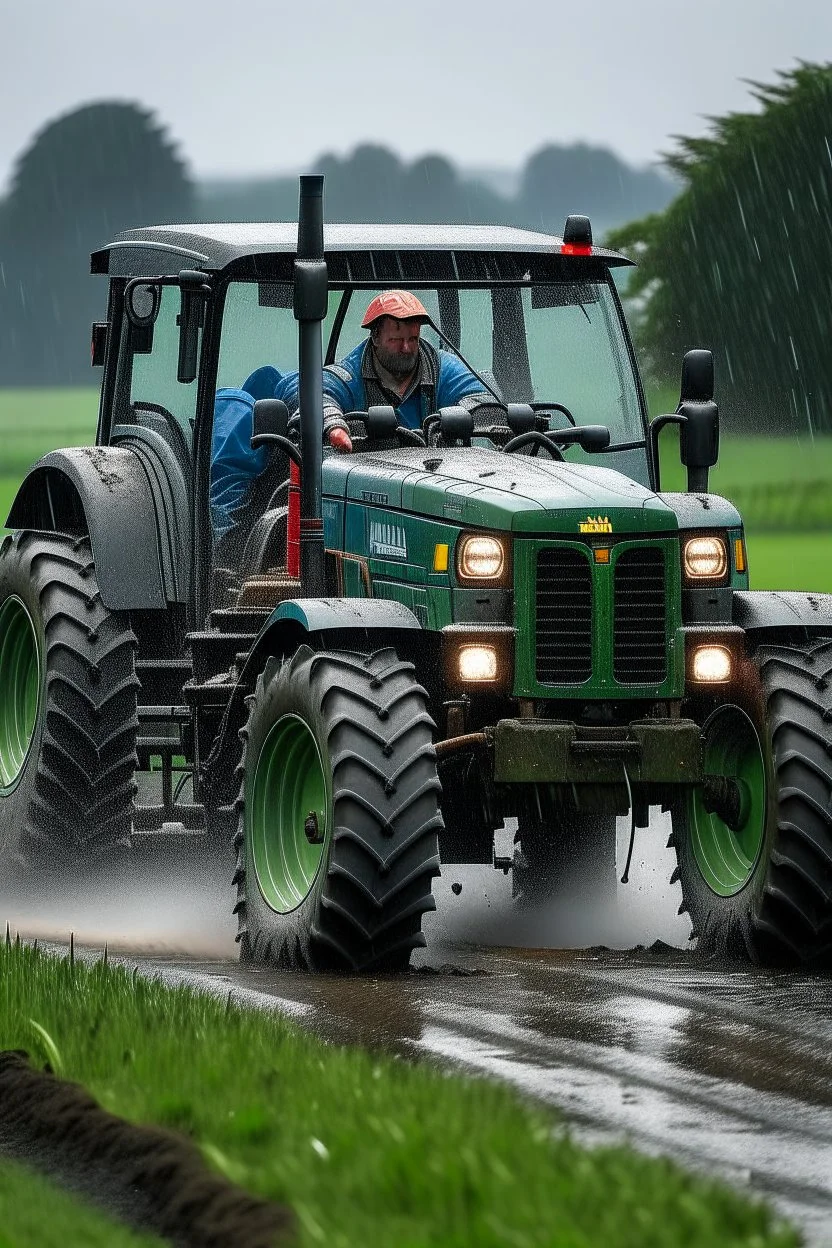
(501, 616)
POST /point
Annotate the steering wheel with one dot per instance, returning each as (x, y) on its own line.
(537, 441)
(491, 419)
(410, 437)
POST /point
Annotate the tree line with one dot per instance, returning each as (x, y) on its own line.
(741, 260)
(110, 166)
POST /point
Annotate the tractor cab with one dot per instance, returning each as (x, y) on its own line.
(189, 354)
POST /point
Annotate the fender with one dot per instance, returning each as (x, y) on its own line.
(102, 491)
(317, 615)
(288, 626)
(770, 608)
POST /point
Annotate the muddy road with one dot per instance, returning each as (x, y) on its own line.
(726, 1069)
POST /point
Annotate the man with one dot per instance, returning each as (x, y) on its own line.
(394, 365)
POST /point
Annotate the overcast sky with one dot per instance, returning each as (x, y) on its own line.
(256, 86)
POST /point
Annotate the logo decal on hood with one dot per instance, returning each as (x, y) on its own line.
(595, 524)
(387, 540)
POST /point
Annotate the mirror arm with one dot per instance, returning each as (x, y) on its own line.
(655, 428)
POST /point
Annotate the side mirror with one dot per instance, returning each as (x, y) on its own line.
(699, 432)
(456, 424)
(142, 301)
(697, 377)
(194, 287)
(698, 419)
(589, 437)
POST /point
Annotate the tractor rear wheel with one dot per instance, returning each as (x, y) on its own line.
(337, 842)
(68, 718)
(574, 854)
(755, 854)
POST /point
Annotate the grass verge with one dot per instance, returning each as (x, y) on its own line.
(790, 561)
(366, 1149)
(34, 1211)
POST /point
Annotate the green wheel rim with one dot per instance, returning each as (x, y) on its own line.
(19, 689)
(727, 856)
(289, 785)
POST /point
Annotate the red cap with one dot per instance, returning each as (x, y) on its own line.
(399, 303)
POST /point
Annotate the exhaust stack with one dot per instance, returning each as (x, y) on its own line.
(310, 306)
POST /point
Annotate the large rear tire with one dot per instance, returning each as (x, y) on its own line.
(68, 718)
(337, 842)
(758, 884)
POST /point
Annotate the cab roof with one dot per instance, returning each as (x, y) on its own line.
(350, 249)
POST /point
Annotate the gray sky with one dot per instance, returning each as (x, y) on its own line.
(256, 86)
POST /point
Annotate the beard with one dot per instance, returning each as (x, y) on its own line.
(399, 364)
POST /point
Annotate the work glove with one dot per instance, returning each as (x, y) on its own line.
(336, 430)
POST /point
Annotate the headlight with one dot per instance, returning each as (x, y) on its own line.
(705, 558)
(711, 664)
(478, 663)
(481, 558)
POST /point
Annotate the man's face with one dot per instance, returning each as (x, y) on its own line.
(396, 344)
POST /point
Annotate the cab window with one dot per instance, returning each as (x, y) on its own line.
(154, 389)
(258, 328)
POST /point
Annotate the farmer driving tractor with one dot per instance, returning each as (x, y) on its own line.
(393, 366)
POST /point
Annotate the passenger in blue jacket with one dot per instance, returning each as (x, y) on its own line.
(393, 366)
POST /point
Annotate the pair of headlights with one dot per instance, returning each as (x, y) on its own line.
(709, 665)
(484, 558)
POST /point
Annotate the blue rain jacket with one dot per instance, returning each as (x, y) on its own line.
(234, 465)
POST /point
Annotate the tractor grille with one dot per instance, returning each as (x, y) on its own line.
(639, 629)
(563, 637)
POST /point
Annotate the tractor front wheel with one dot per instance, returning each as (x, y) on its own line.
(337, 842)
(754, 844)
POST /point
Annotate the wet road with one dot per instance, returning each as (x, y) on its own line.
(728, 1070)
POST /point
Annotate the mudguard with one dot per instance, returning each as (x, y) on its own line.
(103, 491)
(770, 608)
(291, 619)
(285, 629)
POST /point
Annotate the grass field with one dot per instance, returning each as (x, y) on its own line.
(36, 1214)
(783, 487)
(367, 1149)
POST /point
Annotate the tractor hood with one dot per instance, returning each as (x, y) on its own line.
(484, 489)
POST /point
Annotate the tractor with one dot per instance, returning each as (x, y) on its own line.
(499, 616)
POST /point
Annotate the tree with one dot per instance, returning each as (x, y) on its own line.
(741, 262)
(590, 180)
(100, 169)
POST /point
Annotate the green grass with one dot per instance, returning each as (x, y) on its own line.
(790, 561)
(367, 1149)
(35, 421)
(35, 1212)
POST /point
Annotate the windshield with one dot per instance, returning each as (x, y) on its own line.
(560, 343)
